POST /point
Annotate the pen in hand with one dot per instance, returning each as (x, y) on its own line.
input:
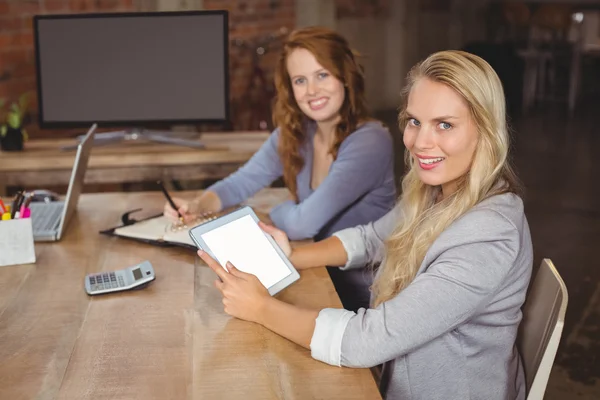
(170, 200)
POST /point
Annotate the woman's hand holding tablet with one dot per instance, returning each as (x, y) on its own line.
(237, 238)
(243, 294)
(252, 264)
(280, 238)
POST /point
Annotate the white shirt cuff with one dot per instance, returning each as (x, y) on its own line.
(354, 245)
(326, 342)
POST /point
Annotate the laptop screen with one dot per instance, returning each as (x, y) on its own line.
(77, 178)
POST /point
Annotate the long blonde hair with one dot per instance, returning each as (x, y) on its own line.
(424, 219)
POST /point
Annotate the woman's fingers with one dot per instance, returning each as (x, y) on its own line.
(236, 272)
(214, 265)
(267, 228)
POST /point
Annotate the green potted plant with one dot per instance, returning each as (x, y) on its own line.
(12, 121)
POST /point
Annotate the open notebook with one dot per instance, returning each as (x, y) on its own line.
(159, 230)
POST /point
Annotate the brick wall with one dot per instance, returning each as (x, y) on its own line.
(17, 63)
(252, 23)
(248, 20)
(362, 8)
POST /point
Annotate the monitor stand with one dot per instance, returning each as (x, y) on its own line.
(140, 134)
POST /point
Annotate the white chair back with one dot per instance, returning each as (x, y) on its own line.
(541, 328)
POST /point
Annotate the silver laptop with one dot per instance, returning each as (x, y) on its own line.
(49, 220)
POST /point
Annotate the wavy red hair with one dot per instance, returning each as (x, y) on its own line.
(333, 52)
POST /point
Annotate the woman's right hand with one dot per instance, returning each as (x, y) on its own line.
(279, 236)
(207, 203)
(183, 206)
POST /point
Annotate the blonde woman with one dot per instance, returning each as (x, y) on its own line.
(456, 254)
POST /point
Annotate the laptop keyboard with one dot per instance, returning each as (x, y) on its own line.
(45, 216)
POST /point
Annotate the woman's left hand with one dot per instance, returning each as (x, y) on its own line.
(244, 296)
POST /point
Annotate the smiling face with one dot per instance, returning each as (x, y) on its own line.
(440, 134)
(318, 93)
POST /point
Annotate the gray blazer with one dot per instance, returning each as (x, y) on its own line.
(451, 333)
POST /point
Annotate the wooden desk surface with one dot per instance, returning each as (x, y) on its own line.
(43, 161)
(170, 340)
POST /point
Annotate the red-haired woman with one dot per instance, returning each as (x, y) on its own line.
(337, 162)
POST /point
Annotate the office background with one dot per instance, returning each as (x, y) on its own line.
(556, 138)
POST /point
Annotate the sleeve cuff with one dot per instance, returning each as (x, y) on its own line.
(225, 194)
(326, 342)
(354, 245)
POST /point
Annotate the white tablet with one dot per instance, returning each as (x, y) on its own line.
(237, 238)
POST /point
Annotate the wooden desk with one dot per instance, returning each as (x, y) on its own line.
(42, 161)
(170, 340)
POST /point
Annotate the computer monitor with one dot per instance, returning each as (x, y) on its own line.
(132, 69)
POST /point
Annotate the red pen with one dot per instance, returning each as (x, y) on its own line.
(2, 207)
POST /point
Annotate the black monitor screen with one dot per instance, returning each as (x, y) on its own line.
(132, 68)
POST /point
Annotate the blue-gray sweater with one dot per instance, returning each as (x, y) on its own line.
(360, 187)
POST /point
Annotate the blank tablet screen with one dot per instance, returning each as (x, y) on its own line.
(244, 244)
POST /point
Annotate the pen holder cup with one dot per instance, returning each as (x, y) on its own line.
(16, 242)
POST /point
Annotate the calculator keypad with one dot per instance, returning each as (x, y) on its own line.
(105, 280)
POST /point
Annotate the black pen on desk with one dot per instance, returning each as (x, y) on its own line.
(170, 200)
(22, 200)
(16, 203)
